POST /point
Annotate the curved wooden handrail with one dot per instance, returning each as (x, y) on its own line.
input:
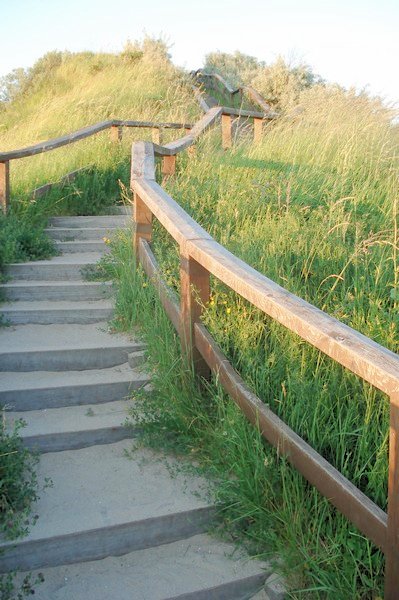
(202, 256)
(253, 94)
(85, 132)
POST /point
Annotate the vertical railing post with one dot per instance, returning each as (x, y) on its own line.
(226, 131)
(392, 542)
(116, 133)
(142, 167)
(156, 135)
(168, 165)
(258, 130)
(142, 217)
(190, 149)
(194, 295)
(4, 185)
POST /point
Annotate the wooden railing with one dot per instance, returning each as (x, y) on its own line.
(214, 81)
(116, 127)
(200, 257)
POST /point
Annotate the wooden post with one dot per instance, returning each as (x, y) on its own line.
(258, 129)
(156, 135)
(142, 217)
(392, 543)
(226, 131)
(194, 294)
(190, 149)
(4, 185)
(168, 165)
(116, 133)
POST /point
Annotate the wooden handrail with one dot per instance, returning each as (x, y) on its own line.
(253, 94)
(202, 256)
(80, 134)
(115, 125)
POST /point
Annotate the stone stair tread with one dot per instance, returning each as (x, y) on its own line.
(46, 283)
(97, 491)
(70, 234)
(78, 258)
(200, 566)
(36, 380)
(75, 246)
(91, 221)
(57, 311)
(48, 305)
(85, 417)
(60, 337)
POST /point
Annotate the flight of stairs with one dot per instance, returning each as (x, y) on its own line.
(115, 524)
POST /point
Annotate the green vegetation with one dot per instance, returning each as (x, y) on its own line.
(314, 208)
(280, 83)
(19, 489)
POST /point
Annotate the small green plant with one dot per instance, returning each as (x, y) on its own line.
(10, 589)
(19, 489)
(18, 482)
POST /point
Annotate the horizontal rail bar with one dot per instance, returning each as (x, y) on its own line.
(167, 296)
(80, 134)
(237, 112)
(347, 498)
(43, 189)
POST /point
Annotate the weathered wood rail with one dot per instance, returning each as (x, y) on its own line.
(214, 81)
(200, 257)
(116, 128)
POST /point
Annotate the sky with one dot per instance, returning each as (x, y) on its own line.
(352, 42)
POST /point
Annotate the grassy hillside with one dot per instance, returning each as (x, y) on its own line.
(66, 92)
(314, 207)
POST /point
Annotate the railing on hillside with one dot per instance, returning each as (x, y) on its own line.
(116, 128)
(200, 257)
(214, 81)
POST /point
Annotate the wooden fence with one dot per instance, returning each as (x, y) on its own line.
(116, 129)
(200, 257)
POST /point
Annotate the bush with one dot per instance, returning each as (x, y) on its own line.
(280, 83)
(22, 239)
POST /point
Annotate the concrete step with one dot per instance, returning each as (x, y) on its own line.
(59, 268)
(65, 234)
(71, 427)
(55, 290)
(119, 221)
(34, 390)
(63, 347)
(102, 504)
(82, 246)
(197, 568)
(46, 312)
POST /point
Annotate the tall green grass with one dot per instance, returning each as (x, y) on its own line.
(313, 207)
